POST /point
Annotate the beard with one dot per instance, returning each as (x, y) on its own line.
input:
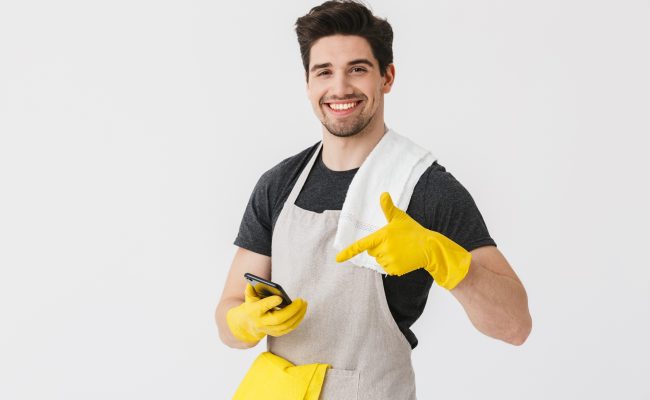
(347, 128)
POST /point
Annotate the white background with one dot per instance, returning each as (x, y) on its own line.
(133, 132)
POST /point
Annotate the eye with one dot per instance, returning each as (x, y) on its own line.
(322, 72)
(358, 68)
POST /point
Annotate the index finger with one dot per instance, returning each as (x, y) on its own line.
(363, 244)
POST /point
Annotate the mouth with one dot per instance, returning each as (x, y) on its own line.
(342, 109)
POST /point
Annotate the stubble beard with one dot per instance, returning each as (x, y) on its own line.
(347, 129)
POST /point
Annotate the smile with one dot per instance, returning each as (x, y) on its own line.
(341, 109)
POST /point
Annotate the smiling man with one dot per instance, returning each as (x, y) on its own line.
(353, 320)
(346, 108)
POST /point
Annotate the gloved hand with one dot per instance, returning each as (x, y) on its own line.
(403, 245)
(255, 317)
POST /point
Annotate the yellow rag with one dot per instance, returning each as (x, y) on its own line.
(273, 378)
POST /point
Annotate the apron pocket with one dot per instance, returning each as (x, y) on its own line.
(340, 384)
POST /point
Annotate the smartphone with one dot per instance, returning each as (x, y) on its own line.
(265, 288)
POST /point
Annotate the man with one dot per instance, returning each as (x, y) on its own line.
(357, 320)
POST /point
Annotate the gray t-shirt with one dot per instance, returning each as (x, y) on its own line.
(439, 203)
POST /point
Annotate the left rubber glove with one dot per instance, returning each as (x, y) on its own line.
(403, 245)
(256, 318)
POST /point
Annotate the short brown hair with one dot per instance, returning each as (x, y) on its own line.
(345, 17)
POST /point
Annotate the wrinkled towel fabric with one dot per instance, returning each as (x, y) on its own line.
(394, 165)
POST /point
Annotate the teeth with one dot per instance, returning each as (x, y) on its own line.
(343, 106)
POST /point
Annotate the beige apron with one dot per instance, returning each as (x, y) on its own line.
(348, 324)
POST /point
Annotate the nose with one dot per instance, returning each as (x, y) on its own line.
(341, 86)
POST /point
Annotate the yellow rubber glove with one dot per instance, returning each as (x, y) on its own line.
(403, 245)
(256, 318)
(273, 378)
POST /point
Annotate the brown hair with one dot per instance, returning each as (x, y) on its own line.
(345, 17)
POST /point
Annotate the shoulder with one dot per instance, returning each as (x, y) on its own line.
(280, 173)
(289, 164)
(450, 209)
(440, 184)
(444, 199)
(274, 181)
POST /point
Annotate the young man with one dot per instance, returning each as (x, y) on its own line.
(358, 321)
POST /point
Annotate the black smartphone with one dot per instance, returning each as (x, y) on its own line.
(265, 288)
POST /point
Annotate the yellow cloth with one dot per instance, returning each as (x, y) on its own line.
(403, 245)
(273, 378)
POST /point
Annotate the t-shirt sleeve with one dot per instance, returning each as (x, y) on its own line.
(255, 229)
(452, 211)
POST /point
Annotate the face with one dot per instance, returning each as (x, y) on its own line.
(345, 87)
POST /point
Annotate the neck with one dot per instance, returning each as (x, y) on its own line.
(346, 153)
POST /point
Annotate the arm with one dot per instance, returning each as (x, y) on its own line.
(494, 298)
(233, 291)
(482, 280)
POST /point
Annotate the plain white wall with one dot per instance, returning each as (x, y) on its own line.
(132, 133)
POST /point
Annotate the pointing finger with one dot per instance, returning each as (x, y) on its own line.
(363, 244)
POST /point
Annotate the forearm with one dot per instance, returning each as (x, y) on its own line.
(496, 305)
(224, 332)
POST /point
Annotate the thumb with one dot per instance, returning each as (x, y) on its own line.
(250, 295)
(387, 206)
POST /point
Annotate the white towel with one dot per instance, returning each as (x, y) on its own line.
(394, 165)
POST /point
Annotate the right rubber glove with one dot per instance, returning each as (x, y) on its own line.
(403, 245)
(256, 318)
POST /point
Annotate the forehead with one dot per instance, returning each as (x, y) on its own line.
(339, 49)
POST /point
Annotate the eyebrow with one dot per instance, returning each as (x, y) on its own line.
(353, 62)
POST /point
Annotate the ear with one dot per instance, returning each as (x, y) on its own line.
(389, 78)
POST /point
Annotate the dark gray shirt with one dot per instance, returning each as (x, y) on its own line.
(439, 203)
